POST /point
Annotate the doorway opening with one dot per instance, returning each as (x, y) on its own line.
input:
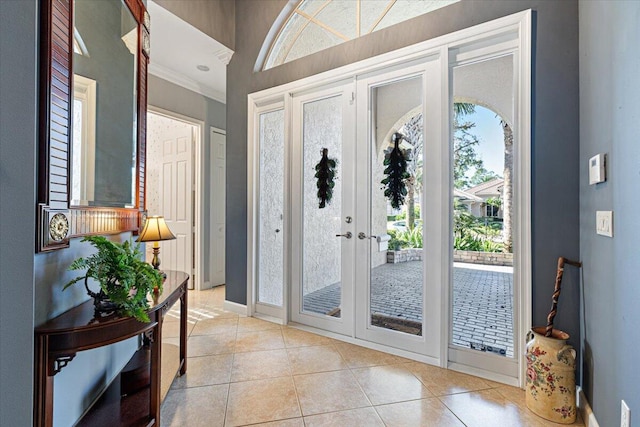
(174, 160)
(371, 248)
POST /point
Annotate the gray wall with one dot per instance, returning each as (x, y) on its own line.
(171, 97)
(555, 126)
(18, 114)
(31, 285)
(215, 18)
(609, 117)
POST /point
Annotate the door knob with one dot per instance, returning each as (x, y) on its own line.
(363, 236)
(348, 235)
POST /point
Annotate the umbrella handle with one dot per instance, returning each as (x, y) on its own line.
(556, 292)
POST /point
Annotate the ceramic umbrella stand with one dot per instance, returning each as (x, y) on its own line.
(551, 363)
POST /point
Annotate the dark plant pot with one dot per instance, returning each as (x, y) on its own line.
(103, 306)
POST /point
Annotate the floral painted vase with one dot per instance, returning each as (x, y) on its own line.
(551, 384)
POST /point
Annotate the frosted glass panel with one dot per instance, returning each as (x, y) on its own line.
(321, 287)
(271, 221)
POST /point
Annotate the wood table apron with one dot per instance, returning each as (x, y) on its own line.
(58, 340)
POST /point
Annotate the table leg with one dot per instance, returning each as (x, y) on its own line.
(183, 331)
(156, 357)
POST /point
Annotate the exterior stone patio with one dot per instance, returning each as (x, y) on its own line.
(482, 294)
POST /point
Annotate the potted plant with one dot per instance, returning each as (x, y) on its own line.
(125, 279)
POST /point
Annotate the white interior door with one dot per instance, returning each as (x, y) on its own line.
(171, 191)
(217, 206)
(323, 241)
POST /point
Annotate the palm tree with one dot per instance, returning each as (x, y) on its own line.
(412, 131)
(507, 190)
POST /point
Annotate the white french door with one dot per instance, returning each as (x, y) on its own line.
(398, 304)
(323, 243)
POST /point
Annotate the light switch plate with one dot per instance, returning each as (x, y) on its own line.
(604, 223)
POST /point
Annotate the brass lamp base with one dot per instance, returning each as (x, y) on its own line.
(155, 262)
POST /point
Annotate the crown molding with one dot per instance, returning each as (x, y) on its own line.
(224, 55)
(186, 82)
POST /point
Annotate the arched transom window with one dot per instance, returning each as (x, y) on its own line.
(314, 25)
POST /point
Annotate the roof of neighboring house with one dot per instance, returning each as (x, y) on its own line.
(491, 188)
(463, 195)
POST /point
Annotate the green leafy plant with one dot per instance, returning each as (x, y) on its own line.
(125, 279)
(405, 239)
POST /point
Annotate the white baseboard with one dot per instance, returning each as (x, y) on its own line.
(585, 410)
(234, 307)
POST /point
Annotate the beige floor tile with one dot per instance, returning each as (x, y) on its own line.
(207, 345)
(270, 339)
(297, 338)
(483, 408)
(251, 324)
(292, 422)
(445, 381)
(390, 384)
(215, 326)
(308, 360)
(260, 364)
(329, 391)
(425, 412)
(172, 329)
(359, 357)
(353, 417)
(194, 407)
(261, 401)
(205, 370)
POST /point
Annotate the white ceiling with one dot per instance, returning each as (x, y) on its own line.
(177, 48)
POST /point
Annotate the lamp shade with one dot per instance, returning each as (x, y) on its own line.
(155, 229)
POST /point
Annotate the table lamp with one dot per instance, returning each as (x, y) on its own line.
(155, 230)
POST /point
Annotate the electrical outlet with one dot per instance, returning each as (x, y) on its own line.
(625, 415)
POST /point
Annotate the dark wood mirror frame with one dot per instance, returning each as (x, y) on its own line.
(58, 221)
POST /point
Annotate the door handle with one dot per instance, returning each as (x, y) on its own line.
(363, 236)
(348, 235)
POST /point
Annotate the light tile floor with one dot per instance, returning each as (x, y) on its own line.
(245, 371)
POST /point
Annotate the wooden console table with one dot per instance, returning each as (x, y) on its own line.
(58, 340)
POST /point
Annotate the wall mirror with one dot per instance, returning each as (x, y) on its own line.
(94, 57)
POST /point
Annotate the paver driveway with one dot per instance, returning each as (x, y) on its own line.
(482, 295)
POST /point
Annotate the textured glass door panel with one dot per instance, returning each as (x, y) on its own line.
(396, 277)
(322, 249)
(271, 199)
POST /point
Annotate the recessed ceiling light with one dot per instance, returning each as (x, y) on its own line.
(202, 67)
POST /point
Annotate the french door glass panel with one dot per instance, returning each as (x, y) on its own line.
(322, 249)
(396, 279)
(271, 198)
(482, 326)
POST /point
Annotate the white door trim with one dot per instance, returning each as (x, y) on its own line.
(199, 188)
(212, 129)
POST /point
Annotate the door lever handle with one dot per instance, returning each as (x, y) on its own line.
(363, 236)
(347, 235)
